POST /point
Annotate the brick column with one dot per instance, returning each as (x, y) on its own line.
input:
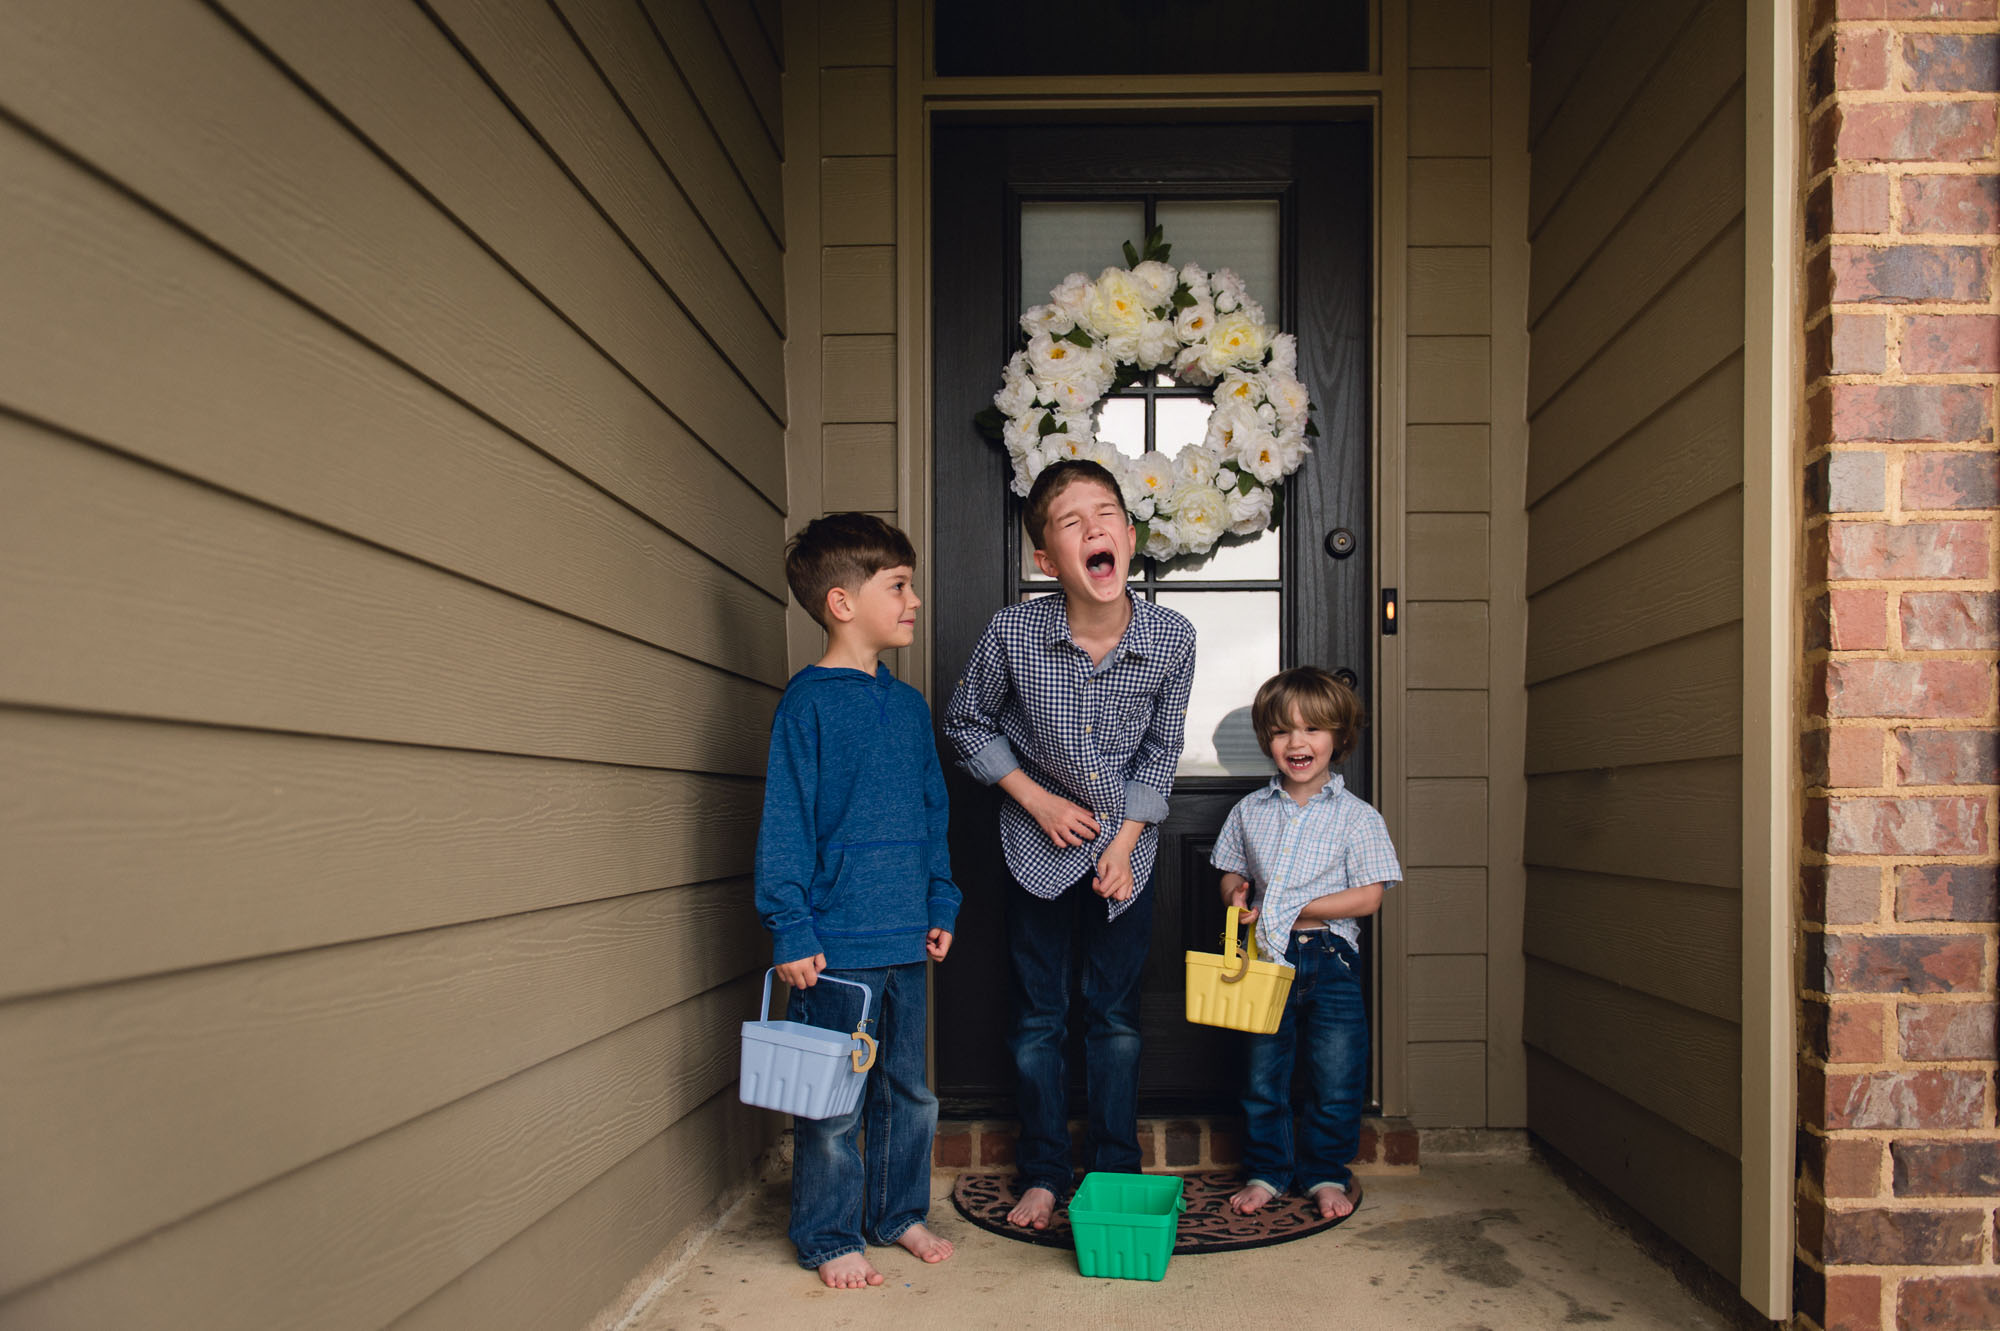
(1899, 1157)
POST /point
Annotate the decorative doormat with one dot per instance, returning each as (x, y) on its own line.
(1208, 1225)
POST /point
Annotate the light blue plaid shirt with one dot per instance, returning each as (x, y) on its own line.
(1293, 852)
(1106, 736)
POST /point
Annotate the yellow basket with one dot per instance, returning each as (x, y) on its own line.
(1235, 989)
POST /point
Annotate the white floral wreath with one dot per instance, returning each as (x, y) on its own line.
(1094, 338)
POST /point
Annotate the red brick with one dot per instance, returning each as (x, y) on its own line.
(1823, 129)
(1947, 1169)
(1904, 1238)
(1902, 274)
(1940, 62)
(1860, 59)
(1225, 1145)
(1951, 621)
(1907, 550)
(1914, 826)
(1938, 1032)
(1850, 481)
(1854, 758)
(1951, 344)
(1924, 413)
(996, 1147)
(1370, 1144)
(1897, 964)
(1872, 687)
(1950, 205)
(1853, 1302)
(1860, 343)
(1816, 1103)
(1916, 132)
(1183, 1143)
(1400, 1145)
(1854, 1032)
(952, 1150)
(1853, 893)
(1925, 1099)
(1937, 9)
(1947, 758)
(1860, 203)
(1149, 1148)
(1948, 1303)
(1951, 480)
(1852, 1167)
(1860, 619)
(1959, 893)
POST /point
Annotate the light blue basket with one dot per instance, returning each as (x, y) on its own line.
(805, 1070)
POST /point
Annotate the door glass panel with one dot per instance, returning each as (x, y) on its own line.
(1237, 633)
(1058, 239)
(1241, 234)
(1122, 424)
(1179, 421)
(1232, 560)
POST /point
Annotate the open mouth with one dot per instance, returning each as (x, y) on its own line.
(1100, 565)
(1298, 762)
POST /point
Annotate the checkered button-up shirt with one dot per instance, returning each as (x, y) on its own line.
(1105, 736)
(1294, 852)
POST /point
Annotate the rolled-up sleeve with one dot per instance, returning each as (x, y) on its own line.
(1159, 751)
(972, 717)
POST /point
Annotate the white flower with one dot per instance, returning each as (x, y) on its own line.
(1150, 477)
(1196, 279)
(1225, 423)
(1158, 342)
(1289, 396)
(1117, 307)
(1142, 508)
(1072, 395)
(1225, 480)
(1195, 465)
(1016, 395)
(1068, 446)
(1234, 340)
(1259, 453)
(1250, 512)
(1202, 514)
(1156, 282)
(1163, 539)
(1194, 322)
(1239, 389)
(1284, 356)
(1077, 425)
(1072, 295)
(1050, 319)
(1055, 360)
(1189, 368)
(1228, 287)
(1122, 346)
(1022, 433)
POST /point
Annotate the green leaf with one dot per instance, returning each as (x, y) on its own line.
(1077, 337)
(1164, 254)
(1245, 482)
(1049, 425)
(1154, 236)
(1277, 506)
(991, 422)
(1131, 256)
(1142, 532)
(1312, 429)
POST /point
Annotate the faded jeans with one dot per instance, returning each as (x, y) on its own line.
(1324, 1030)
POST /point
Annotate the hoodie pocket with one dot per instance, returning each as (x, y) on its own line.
(876, 887)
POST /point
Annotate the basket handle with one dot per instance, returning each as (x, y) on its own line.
(1229, 952)
(764, 1014)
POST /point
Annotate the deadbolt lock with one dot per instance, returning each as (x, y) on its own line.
(1340, 543)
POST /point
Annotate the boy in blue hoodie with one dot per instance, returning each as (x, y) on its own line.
(854, 880)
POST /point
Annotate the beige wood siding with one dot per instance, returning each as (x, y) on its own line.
(392, 406)
(1635, 575)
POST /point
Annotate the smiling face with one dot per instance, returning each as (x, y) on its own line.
(1303, 752)
(881, 613)
(1087, 541)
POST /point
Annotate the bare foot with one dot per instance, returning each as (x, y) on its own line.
(920, 1242)
(1252, 1198)
(853, 1271)
(1335, 1202)
(1035, 1209)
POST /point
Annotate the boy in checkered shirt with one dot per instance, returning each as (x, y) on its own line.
(1317, 859)
(1074, 705)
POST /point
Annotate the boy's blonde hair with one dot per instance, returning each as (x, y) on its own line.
(1320, 700)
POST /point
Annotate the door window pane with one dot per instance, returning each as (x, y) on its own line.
(1237, 633)
(1121, 423)
(1058, 239)
(1252, 560)
(1179, 421)
(1227, 233)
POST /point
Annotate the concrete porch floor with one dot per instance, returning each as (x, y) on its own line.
(1492, 1242)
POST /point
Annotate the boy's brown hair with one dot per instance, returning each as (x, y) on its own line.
(1056, 478)
(841, 550)
(1321, 701)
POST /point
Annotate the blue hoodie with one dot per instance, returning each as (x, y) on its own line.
(852, 859)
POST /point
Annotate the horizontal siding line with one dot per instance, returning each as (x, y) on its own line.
(708, 121)
(583, 191)
(173, 972)
(1635, 86)
(774, 318)
(1708, 760)
(1637, 537)
(97, 173)
(771, 135)
(9, 411)
(334, 113)
(1625, 656)
(1665, 289)
(231, 1199)
(1617, 879)
(1566, 16)
(1600, 979)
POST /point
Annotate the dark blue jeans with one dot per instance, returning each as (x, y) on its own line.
(838, 1199)
(1039, 937)
(1324, 1031)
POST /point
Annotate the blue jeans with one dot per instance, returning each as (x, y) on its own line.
(1039, 934)
(1325, 1030)
(838, 1199)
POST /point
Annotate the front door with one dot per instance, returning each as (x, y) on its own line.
(1015, 209)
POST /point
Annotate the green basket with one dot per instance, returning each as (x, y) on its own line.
(1125, 1224)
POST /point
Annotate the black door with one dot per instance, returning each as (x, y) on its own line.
(1014, 209)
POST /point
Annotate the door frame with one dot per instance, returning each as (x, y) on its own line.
(921, 99)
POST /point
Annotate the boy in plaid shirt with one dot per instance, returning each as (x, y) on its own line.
(1074, 704)
(1318, 859)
